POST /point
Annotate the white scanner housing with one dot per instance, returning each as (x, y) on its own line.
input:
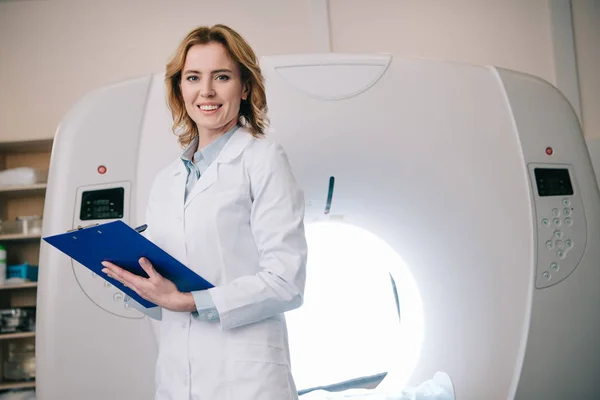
(479, 177)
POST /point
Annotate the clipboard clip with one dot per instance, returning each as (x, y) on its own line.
(139, 229)
(79, 227)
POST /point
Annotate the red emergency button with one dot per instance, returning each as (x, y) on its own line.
(549, 151)
(102, 169)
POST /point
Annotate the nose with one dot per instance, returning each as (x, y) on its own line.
(207, 89)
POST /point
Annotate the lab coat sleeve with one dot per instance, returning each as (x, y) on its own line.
(277, 222)
(205, 307)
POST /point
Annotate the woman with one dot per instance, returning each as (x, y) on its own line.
(230, 209)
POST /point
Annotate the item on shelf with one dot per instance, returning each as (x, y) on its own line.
(20, 273)
(30, 224)
(14, 320)
(2, 264)
(22, 176)
(23, 225)
(20, 363)
(26, 394)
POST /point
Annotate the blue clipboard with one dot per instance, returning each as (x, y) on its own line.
(123, 246)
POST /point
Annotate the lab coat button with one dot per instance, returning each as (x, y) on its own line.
(185, 382)
(184, 325)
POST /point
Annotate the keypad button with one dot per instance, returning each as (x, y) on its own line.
(568, 221)
(558, 234)
(560, 254)
(559, 244)
(554, 266)
(550, 244)
(546, 275)
(545, 222)
(568, 243)
(557, 222)
(566, 202)
(118, 296)
(556, 212)
(567, 212)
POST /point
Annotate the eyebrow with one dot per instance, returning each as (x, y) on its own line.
(217, 71)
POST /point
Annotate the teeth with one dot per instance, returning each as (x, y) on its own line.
(208, 108)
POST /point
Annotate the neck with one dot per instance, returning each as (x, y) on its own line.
(207, 136)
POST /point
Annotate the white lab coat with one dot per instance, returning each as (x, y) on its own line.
(241, 228)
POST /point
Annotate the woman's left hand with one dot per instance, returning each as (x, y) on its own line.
(155, 288)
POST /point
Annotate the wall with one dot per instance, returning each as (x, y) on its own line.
(509, 33)
(586, 26)
(52, 52)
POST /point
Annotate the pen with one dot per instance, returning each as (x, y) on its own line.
(141, 228)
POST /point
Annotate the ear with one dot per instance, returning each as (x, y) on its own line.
(245, 91)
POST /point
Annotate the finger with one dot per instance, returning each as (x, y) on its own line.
(110, 275)
(148, 268)
(132, 286)
(123, 276)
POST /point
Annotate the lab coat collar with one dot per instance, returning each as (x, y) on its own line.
(234, 147)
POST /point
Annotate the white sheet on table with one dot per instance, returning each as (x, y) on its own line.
(437, 388)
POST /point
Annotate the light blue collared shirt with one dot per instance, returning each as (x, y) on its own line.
(202, 159)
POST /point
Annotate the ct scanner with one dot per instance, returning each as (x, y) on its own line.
(593, 144)
(479, 177)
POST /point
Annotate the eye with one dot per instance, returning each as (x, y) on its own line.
(191, 78)
(222, 77)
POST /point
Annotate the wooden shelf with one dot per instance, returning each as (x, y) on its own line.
(17, 335)
(26, 146)
(16, 385)
(22, 190)
(19, 236)
(15, 201)
(24, 285)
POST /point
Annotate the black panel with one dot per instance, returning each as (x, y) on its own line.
(102, 204)
(553, 182)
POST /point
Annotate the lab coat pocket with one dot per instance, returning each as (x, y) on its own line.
(259, 353)
(231, 208)
(261, 373)
(268, 333)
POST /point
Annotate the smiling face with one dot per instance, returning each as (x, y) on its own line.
(212, 89)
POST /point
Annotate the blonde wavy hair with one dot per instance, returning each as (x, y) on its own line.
(253, 111)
